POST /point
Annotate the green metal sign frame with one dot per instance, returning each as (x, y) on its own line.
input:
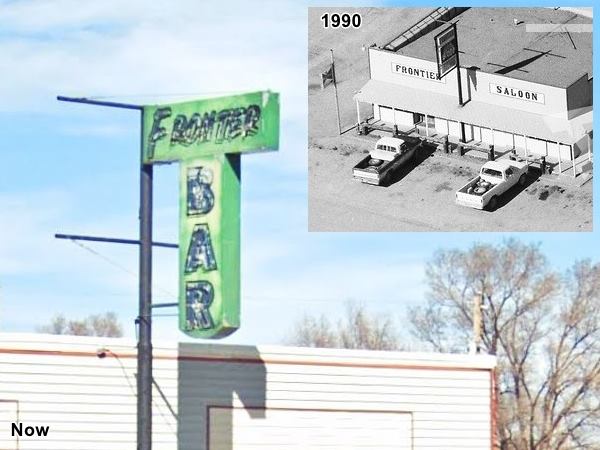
(208, 137)
(209, 249)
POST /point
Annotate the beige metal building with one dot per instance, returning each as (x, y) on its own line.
(523, 89)
(222, 397)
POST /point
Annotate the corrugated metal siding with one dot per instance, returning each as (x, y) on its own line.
(310, 430)
(89, 403)
(448, 396)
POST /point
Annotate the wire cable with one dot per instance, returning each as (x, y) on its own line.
(110, 261)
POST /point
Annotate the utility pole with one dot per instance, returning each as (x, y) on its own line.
(337, 106)
(144, 319)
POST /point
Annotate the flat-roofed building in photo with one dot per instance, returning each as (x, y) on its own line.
(526, 78)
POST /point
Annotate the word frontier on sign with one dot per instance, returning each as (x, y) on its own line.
(217, 126)
(238, 124)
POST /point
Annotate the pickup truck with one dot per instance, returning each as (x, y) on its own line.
(388, 155)
(494, 179)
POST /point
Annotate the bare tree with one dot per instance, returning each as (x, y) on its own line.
(357, 330)
(543, 326)
(314, 332)
(94, 325)
(57, 325)
(105, 325)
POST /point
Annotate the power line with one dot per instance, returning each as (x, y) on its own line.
(105, 258)
(118, 266)
(255, 298)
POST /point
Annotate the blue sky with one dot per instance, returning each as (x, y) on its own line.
(74, 168)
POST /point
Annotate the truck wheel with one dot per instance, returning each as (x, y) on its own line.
(522, 180)
(492, 203)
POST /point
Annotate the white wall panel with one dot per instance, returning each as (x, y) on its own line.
(487, 136)
(403, 118)
(536, 147)
(310, 430)
(441, 125)
(8, 415)
(565, 152)
(502, 139)
(552, 150)
(454, 128)
(386, 114)
(278, 396)
(89, 403)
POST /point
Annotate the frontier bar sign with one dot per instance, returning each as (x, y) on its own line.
(207, 138)
(238, 124)
(446, 46)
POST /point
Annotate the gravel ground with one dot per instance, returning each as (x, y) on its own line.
(421, 196)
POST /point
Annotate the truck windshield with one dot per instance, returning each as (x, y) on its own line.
(386, 148)
(491, 172)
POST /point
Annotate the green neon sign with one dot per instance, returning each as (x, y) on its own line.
(237, 124)
(207, 138)
(209, 246)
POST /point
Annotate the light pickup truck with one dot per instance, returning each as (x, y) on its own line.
(495, 178)
(387, 156)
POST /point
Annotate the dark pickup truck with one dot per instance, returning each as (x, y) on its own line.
(388, 155)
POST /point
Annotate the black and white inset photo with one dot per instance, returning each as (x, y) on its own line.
(450, 119)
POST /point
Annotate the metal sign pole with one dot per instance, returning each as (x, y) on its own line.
(458, 78)
(337, 106)
(144, 354)
(144, 320)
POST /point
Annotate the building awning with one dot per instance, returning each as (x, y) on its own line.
(485, 115)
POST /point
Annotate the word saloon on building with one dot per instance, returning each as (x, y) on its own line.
(207, 138)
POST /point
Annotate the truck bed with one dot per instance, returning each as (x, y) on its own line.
(471, 194)
(476, 187)
(371, 174)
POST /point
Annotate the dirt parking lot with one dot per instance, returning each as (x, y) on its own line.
(421, 195)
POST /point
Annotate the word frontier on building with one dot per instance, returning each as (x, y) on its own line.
(526, 87)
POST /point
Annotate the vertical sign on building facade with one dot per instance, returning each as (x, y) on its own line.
(207, 138)
(446, 49)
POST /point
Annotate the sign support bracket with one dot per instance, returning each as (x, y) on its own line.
(78, 237)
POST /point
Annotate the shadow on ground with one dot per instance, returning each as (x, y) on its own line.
(532, 176)
(421, 155)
